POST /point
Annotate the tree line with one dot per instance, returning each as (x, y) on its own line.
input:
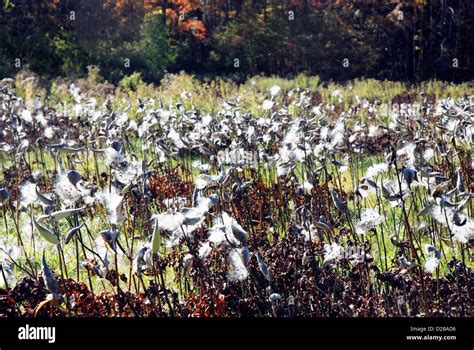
(337, 40)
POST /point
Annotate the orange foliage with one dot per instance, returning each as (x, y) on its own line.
(196, 27)
(179, 13)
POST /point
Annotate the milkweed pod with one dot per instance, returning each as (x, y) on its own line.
(49, 280)
(4, 195)
(42, 197)
(156, 238)
(264, 268)
(71, 233)
(460, 183)
(73, 176)
(109, 239)
(62, 214)
(275, 297)
(46, 233)
(338, 202)
(116, 145)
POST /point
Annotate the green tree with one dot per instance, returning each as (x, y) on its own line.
(153, 51)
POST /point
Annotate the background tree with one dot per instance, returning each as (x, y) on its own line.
(399, 40)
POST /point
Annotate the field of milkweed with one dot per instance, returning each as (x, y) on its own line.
(273, 198)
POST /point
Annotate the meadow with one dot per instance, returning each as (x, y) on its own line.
(207, 198)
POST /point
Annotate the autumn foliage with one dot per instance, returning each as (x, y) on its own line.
(386, 40)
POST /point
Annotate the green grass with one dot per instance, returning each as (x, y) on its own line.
(209, 95)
